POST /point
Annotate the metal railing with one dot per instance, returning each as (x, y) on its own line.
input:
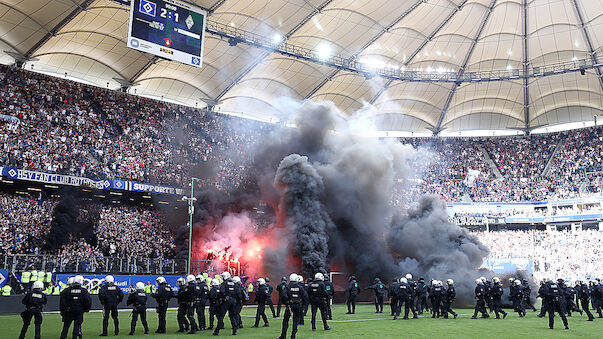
(93, 265)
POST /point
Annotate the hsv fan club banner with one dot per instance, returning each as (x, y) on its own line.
(123, 281)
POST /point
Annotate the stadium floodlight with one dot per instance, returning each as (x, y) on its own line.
(277, 38)
(324, 51)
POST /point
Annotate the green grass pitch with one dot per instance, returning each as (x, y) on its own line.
(364, 324)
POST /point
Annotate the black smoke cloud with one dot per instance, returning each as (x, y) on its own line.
(333, 189)
(72, 219)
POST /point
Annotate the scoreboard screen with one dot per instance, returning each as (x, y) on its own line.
(168, 28)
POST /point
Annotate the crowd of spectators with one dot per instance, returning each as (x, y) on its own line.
(122, 231)
(556, 254)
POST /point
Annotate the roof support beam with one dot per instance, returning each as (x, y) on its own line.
(57, 28)
(153, 60)
(526, 62)
(438, 127)
(588, 40)
(366, 45)
(418, 50)
(265, 54)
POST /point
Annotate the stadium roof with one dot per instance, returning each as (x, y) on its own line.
(87, 40)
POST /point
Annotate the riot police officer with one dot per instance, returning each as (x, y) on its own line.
(317, 293)
(269, 300)
(230, 293)
(352, 292)
(214, 302)
(110, 296)
(200, 300)
(294, 295)
(138, 300)
(183, 305)
(527, 292)
(448, 299)
(569, 293)
(331, 292)
(496, 292)
(380, 290)
(421, 295)
(74, 301)
(261, 297)
(392, 294)
(437, 293)
(404, 296)
(596, 296)
(34, 301)
(516, 295)
(190, 295)
(162, 295)
(279, 290)
(480, 296)
(555, 303)
(244, 296)
(542, 295)
(583, 295)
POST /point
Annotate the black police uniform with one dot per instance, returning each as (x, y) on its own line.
(331, 292)
(488, 286)
(596, 295)
(527, 292)
(279, 290)
(516, 295)
(393, 298)
(269, 300)
(230, 294)
(437, 293)
(162, 295)
(202, 291)
(583, 295)
(542, 295)
(404, 296)
(294, 295)
(183, 305)
(138, 301)
(569, 293)
(261, 297)
(214, 305)
(480, 304)
(555, 303)
(244, 296)
(317, 293)
(380, 290)
(496, 292)
(421, 296)
(74, 301)
(34, 301)
(306, 305)
(190, 295)
(110, 296)
(447, 300)
(352, 291)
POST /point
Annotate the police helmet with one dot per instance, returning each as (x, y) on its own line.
(478, 281)
(38, 285)
(293, 277)
(450, 282)
(78, 280)
(236, 279)
(408, 276)
(517, 282)
(267, 279)
(109, 279)
(215, 282)
(300, 278)
(496, 280)
(225, 275)
(70, 281)
(283, 279)
(181, 281)
(261, 281)
(319, 276)
(140, 285)
(403, 280)
(190, 278)
(353, 278)
(160, 280)
(199, 277)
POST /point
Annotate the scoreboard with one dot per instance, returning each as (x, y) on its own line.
(170, 29)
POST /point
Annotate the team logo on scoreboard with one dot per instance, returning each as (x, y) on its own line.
(196, 61)
(168, 41)
(147, 7)
(165, 50)
(135, 43)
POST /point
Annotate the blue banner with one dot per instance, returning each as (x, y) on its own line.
(106, 184)
(556, 218)
(123, 281)
(4, 277)
(510, 265)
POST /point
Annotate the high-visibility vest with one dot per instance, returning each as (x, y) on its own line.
(6, 290)
(48, 277)
(250, 288)
(62, 284)
(147, 288)
(47, 291)
(56, 290)
(25, 276)
(34, 276)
